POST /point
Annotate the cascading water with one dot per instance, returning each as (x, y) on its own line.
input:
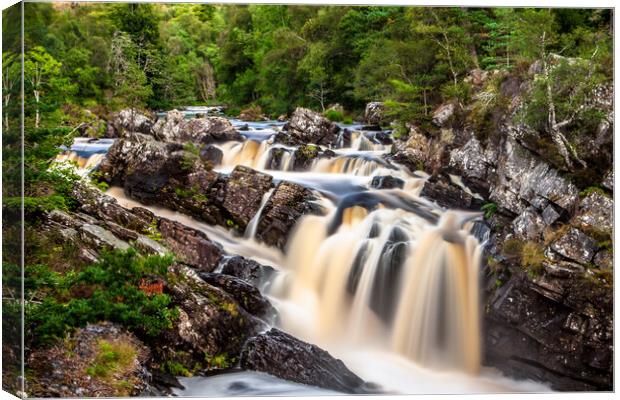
(385, 280)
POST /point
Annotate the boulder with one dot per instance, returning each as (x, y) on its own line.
(575, 245)
(443, 114)
(596, 211)
(604, 259)
(190, 245)
(174, 128)
(550, 215)
(373, 114)
(243, 193)
(253, 113)
(101, 238)
(387, 182)
(244, 293)
(304, 156)
(449, 195)
(129, 120)
(412, 152)
(211, 154)
(149, 246)
(308, 127)
(246, 269)
(211, 328)
(286, 357)
(287, 204)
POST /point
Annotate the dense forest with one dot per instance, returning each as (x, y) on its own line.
(161, 56)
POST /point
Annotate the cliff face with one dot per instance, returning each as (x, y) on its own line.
(548, 273)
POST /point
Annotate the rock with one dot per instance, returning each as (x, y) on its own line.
(149, 246)
(470, 162)
(101, 238)
(443, 113)
(373, 114)
(174, 128)
(129, 120)
(304, 156)
(211, 328)
(212, 155)
(477, 76)
(246, 269)
(243, 194)
(244, 293)
(575, 245)
(62, 370)
(608, 180)
(550, 215)
(253, 113)
(447, 194)
(282, 118)
(387, 182)
(529, 225)
(523, 179)
(287, 204)
(281, 355)
(414, 152)
(596, 211)
(190, 246)
(604, 259)
(309, 127)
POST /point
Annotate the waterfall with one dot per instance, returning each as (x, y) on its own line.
(250, 230)
(390, 276)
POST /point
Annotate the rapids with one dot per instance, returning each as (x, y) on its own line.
(385, 280)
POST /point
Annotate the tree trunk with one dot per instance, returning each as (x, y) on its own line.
(37, 116)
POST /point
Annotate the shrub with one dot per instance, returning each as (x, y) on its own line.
(114, 295)
(489, 210)
(334, 115)
(532, 257)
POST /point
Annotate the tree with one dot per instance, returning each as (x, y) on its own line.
(10, 84)
(40, 72)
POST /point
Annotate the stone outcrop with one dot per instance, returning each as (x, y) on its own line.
(129, 120)
(286, 357)
(308, 127)
(373, 114)
(174, 128)
(287, 204)
(243, 192)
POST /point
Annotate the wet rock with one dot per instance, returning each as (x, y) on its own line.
(304, 156)
(413, 152)
(246, 269)
(575, 245)
(129, 120)
(373, 114)
(101, 238)
(443, 113)
(211, 324)
(287, 204)
(174, 128)
(281, 355)
(212, 155)
(62, 370)
(190, 245)
(387, 182)
(596, 211)
(309, 127)
(529, 225)
(447, 194)
(244, 293)
(243, 194)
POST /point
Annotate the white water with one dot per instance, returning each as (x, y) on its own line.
(389, 283)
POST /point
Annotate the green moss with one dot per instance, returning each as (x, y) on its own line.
(532, 257)
(592, 189)
(489, 210)
(219, 361)
(176, 369)
(111, 358)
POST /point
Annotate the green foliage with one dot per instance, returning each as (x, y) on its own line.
(489, 210)
(219, 361)
(112, 357)
(334, 115)
(113, 295)
(176, 369)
